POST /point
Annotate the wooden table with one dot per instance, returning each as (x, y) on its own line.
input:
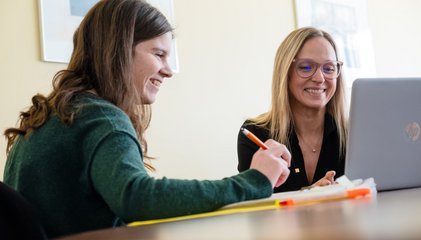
(389, 215)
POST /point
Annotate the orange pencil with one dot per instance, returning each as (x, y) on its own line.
(253, 137)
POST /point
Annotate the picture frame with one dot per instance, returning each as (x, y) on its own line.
(347, 22)
(60, 18)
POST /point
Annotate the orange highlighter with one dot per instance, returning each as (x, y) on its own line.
(347, 194)
(253, 137)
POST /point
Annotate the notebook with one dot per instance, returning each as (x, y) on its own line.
(384, 139)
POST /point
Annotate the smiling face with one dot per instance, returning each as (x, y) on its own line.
(150, 66)
(316, 91)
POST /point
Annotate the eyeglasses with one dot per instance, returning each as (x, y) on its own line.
(306, 68)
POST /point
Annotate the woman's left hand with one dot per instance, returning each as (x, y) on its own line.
(326, 180)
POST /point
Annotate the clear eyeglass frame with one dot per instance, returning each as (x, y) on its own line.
(306, 68)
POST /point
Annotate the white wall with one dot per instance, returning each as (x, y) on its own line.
(226, 50)
(396, 32)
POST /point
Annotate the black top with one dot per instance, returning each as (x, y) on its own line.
(329, 158)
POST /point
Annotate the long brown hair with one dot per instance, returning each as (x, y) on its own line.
(279, 118)
(101, 61)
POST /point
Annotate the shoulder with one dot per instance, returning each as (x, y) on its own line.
(260, 131)
(96, 113)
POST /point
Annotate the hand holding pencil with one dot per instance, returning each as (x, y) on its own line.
(272, 159)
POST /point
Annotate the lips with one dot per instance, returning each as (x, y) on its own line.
(315, 90)
(156, 82)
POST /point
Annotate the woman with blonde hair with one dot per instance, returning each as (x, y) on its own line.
(307, 112)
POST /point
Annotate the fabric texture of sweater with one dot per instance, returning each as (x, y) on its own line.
(90, 175)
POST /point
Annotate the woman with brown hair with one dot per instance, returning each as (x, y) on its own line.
(77, 154)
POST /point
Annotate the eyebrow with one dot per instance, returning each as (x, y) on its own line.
(160, 49)
(312, 60)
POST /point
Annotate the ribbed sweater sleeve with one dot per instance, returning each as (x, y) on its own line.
(120, 178)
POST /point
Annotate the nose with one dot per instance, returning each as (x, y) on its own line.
(318, 76)
(166, 71)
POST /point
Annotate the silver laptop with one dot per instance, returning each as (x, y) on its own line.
(384, 139)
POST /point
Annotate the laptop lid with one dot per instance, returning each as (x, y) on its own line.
(384, 139)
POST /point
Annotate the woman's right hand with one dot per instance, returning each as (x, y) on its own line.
(273, 162)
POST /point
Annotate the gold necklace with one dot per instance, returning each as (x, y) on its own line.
(313, 149)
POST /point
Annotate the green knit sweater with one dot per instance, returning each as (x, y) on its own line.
(90, 175)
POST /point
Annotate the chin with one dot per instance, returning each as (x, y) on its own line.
(149, 100)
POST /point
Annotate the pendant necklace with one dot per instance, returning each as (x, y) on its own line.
(313, 149)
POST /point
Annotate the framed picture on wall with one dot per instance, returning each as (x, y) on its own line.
(60, 18)
(347, 22)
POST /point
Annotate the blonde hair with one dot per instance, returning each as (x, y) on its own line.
(278, 120)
